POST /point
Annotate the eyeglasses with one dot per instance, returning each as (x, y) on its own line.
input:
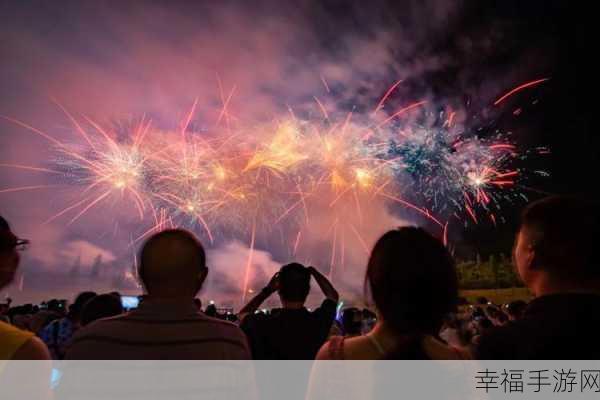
(9, 242)
(21, 244)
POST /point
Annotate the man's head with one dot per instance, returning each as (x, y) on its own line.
(101, 306)
(55, 305)
(515, 309)
(352, 321)
(173, 264)
(294, 283)
(9, 255)
(557, 243)
(75, 309)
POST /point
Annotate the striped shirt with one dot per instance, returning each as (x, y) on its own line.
(160, 330)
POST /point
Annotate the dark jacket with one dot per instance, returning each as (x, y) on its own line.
(559, 327)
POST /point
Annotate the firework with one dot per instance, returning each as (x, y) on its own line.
(103, 166)
(292, 172)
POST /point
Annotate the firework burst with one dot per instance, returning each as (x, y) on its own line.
(290, 173)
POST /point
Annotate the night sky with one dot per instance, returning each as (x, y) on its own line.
(114, 61)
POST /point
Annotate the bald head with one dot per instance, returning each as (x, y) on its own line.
(173, 264)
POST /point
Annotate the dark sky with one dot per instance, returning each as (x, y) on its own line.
(117, 60)
(548, 38)
(517, 38)
(563, 121)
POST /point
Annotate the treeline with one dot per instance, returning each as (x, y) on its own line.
(496, 273)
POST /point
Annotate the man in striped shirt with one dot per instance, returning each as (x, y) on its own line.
(167, 324)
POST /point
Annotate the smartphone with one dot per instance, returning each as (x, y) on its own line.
(130, 302)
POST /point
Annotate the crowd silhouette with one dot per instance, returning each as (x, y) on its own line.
(554, 255)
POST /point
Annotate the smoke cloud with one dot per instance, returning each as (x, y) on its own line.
(117, 61)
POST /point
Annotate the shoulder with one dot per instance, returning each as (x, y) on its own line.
(351, 348)
(257, 319)
(8, 329)
(60, 324)
(32, 349)
(100, 325)
(333, 349)
(328, 304)
(105, 327)
(327, 307)
(48, 327)
(500, 342)
(438, 350)
(224, 327)
(12, 336)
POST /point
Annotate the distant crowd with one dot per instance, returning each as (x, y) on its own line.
(554, 255)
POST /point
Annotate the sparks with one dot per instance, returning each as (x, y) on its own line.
(519, 88)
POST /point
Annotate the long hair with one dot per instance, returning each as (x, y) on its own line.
(412, 280)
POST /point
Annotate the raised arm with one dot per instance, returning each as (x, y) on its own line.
(257, 300)
(326, 286)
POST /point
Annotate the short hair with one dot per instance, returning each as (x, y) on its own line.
(412, 280)
(80, 300)
(101, 306)
(54, 305)
(211, 310)
(352, 321)
(171, 256)
(516, 308)
(564, 233)
(294, 282)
